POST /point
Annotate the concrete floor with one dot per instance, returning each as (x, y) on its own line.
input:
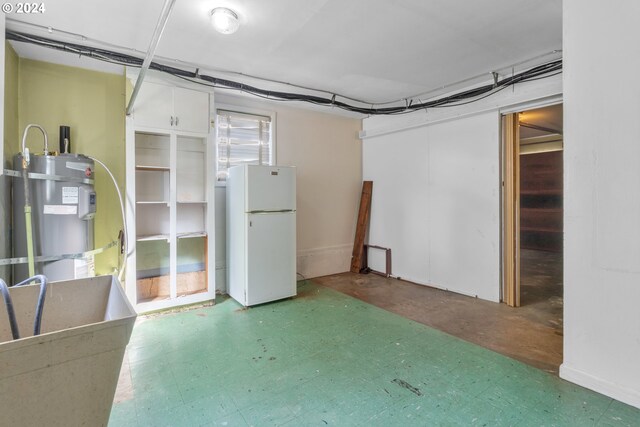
(531, 333)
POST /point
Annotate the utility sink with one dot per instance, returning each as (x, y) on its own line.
(67, 375)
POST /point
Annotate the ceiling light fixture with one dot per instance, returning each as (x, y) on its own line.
(225, 20)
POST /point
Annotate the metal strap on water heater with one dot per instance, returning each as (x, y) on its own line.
(80, 255)
(49, 177)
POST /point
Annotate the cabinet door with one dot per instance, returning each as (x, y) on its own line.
(271, 257)
(271, 188)
(192, 110)
(154, 106)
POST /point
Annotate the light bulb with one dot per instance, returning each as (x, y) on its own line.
(225, 20)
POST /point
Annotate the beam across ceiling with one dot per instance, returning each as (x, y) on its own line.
(155, 39)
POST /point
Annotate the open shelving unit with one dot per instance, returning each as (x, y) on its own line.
(541, 201)
(171, 204)
(191, 213)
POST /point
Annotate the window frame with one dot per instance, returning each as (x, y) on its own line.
(250, 111)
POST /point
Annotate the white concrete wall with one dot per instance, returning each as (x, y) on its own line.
(602, 197)
(327, 152)
(436, 203)
(436, 190)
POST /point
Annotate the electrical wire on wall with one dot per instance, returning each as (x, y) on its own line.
(549, 69)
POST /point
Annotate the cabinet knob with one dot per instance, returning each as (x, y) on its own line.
(176, 120)
(171, 120)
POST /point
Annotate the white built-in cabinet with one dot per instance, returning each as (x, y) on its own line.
(164, 107)
(170, 194)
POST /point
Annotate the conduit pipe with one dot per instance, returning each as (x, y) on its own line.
(124, 218)
(162, 22)
(27, 201)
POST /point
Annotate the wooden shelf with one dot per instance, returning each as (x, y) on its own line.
(540, 230)
(152, 202)
(541, 219)
(192, 202)
(152, 237)
(545, 210)
(149, 168)
(191, 235)
(158, 288)
(544, 192)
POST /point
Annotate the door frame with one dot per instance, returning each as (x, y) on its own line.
(510, 196)
(511, 210)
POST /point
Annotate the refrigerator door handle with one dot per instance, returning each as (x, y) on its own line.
(271, 212)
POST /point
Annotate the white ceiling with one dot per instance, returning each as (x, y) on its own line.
(375, 50)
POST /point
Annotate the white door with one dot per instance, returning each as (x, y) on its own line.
(191, 110)
(271, 257)
(154, 106)
(271, 188)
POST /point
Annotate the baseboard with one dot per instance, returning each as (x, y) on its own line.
(448, 289)
(615, 391)
(319, 262)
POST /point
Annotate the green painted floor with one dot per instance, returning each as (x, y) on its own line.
(324, 358)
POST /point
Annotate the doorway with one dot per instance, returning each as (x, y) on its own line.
(532, 218)
(532, 210)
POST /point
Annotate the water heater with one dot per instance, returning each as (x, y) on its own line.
(63, 206)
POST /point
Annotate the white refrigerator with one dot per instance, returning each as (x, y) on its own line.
(261, 233)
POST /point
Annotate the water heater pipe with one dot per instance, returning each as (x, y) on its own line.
(44, 133)
(27, 201)
(124, 219)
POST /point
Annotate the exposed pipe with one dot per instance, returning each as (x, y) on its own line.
(27, 215)
(27, 201)
(124, 218)
(540, 128)
(44, 133)
(162, 22)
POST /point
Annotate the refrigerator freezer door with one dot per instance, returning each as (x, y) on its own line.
(271, 255)
(271, 188)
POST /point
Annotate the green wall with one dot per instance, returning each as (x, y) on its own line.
(11, 131)
(10, 137)
(92, 103)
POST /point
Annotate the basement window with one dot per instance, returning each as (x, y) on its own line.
(242, 138)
